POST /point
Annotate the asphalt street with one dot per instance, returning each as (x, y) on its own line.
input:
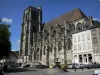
(34, 71)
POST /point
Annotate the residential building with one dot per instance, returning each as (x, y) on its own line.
(86, 44)
(12, 59)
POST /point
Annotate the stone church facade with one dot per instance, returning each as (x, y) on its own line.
(52, 41)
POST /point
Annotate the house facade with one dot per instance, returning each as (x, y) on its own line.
(86, 44)
(12, 60)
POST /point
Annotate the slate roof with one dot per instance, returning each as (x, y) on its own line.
(71, 16)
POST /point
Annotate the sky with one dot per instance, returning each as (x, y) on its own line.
(11, 12)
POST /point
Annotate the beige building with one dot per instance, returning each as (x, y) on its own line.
(12, 60)
(86, 43)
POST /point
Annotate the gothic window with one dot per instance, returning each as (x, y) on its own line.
(41, 54)
(69, 44)
(37, 49)
(35, 15)
(50, 31)
(27, 16)
(62, 30)
(51, 47)
(59, 29)
(32, 15)
(34, 29)
(44, 50)
(59, 46)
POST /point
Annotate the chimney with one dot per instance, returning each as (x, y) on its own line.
(91, 20)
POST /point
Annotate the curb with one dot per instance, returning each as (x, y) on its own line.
(80, 71)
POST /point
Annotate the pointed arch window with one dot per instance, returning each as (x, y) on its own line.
(59, 46)
(44, 50)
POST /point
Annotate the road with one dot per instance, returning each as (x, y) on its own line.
(33, 71)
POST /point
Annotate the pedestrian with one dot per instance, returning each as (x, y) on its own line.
(74, 67)
(82, 68)
(5, 67)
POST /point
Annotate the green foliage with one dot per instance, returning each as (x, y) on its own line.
(96, 22)
(5, 44)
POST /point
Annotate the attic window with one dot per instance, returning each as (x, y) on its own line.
(79, 26)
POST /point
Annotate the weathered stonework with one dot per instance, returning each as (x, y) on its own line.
(51, 42)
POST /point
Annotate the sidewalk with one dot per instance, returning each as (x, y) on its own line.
(57, 70)
(79, 70)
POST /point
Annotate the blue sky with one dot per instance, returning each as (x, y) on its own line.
(11, 12)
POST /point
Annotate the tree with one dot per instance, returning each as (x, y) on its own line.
(96, 22)
(5, 44)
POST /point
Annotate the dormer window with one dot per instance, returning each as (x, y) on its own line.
(79, 27)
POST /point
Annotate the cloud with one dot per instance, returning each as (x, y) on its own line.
(6, 20)
(96, 19)
(18, 42)
(13, 50)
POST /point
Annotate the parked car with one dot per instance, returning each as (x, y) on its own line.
(32, 66)
(76, 65)
(93, 65)
(70, 66)
(41, 66)
(26, 65)
(1, 69)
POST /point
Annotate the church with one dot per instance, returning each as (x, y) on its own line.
(66, 39)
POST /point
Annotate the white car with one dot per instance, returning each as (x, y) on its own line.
(76, 65)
